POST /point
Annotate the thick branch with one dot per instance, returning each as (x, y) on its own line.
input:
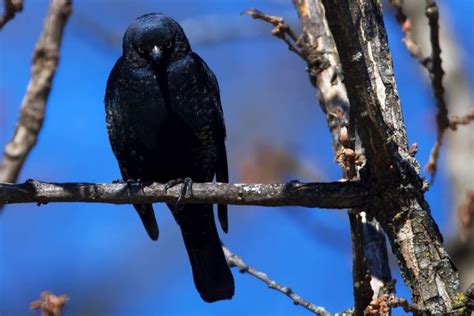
(368, 240)
(45, 61)
(10, 9)
(361, 40)
(323, 195)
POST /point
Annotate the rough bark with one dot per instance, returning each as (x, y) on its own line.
(44, 64)
(324, 68)
(337, 195)
(360, 36)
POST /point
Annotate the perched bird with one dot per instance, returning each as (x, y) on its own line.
(165, 124)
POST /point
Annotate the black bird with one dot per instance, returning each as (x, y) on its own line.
(165, 122)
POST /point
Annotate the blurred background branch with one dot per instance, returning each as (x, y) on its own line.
(44, 63)
(371, 271)
(10, 9)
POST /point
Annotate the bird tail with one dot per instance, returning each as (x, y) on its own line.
(212, 276)
(145, 211)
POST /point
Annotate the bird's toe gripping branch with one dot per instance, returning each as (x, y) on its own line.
(187, 187)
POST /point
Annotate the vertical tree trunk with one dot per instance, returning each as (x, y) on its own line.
(359, 32)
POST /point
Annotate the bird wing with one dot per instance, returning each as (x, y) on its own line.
(222, 170)
(123, 101)
(195, 92)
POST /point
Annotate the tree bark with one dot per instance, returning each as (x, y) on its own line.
(337, 195)
(359, 32)
(371, 271)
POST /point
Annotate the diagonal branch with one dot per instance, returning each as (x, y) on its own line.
(337, 195)
(235, 261)
(10, 9)
(44, 64)
(371, 270)
(316, 46)
(427, 269)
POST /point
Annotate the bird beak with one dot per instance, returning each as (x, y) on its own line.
(155, 54)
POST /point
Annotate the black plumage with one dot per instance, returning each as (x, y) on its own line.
(165, 122)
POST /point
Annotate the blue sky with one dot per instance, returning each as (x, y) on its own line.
(99, 254)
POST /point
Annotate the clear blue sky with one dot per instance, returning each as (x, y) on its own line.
(99, 254)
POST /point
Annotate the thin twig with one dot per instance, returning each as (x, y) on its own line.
(235, 261)
(409, 41)
(436, 76)
(324, 195)
(461, 120)
(10, 9)
(281, 30)
(434, 67)
(44, 64)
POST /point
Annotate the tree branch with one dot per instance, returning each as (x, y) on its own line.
(371, 270)
(455, 121)
(10, 9)
(235, 261)
(362, 289)
(281, 30)
(409, 40)
(436, 76)
(323, 195)
(316, 46)
(404, 214)
(44, 64)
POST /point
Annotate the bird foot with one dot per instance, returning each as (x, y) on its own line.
(187, 187)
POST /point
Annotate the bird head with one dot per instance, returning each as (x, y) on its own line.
(154, 39)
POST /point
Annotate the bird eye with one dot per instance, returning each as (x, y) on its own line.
(168, 44)
(141, 50)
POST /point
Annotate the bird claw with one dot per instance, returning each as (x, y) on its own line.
(187, 186)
